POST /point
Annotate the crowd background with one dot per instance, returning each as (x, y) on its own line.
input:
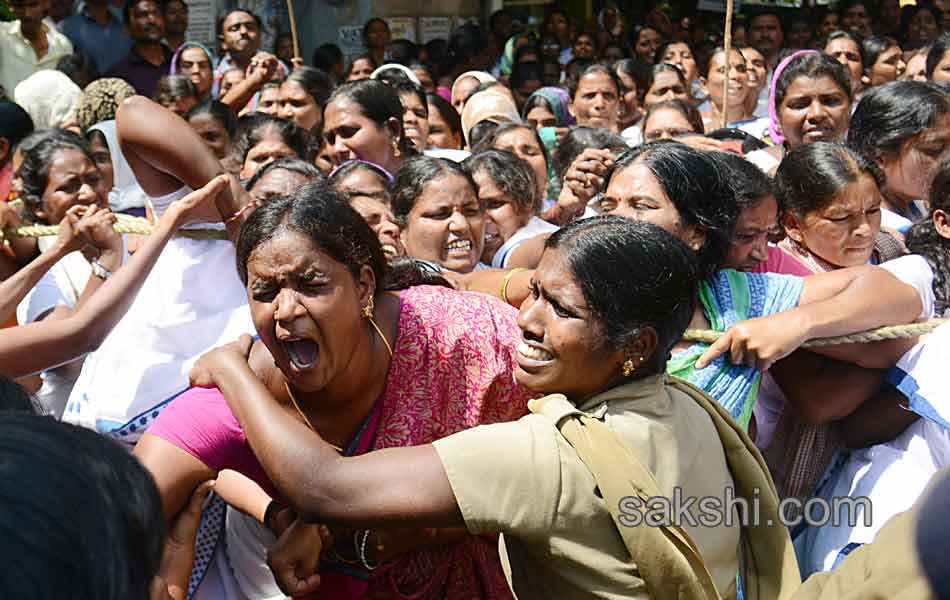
(469, 253)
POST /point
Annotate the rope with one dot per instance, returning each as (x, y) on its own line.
(124, 224)
(895, 332)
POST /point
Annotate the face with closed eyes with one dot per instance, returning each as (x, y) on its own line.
(523, 142)
(909, 170)
(446, 224)
(306, 308)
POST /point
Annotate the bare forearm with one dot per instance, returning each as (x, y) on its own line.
(879, 420)
(241, 93)
(14, 289)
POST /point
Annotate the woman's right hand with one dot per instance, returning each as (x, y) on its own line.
(294, 558)
(103, 242)
(68, 239)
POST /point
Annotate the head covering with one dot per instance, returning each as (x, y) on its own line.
(49, 97)
(618, 26)
(507, 62)
(173, 67)
(126, 192)
(99, 101)
(396, 67)
(558, 99)
(775, 131)
(481, 76)
(488, 105)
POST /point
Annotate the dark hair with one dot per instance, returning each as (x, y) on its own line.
(635, 34)
(511, 174)
(698, 186)
(594, 69)
(624, 50)
(367, 57)
(686, 109)
(528, 48)
(814, 66)
(750, 143)
(130, 4)
(172, 88)
(658, 56)
(76, 63)
(465, 42)
(493, 18)
(524, 72)
(647, 76)
(370, 22)
(612, 257)
(750, 185)
(841, 34)
(217, 110)
(489, 140)
(252, 129)
(923, 238)
(936, 53)
(812, 175)
(315, 82)
(341, 172)
(873, 47)
(910, 11)
(580, 138)
(629, 67)
(448, 112)
(480, 131)
(704, 62)
(410, 87)
(15, 124)
(326, 56)
(845, 5)
(377, 101)
(89, 500)
(224, 17)
(593, 38)
(402, 51)
(34, 170)
(412, 178)
(890, 114)
(294, 165)
(15, 399)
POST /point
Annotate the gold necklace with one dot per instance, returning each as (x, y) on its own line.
(305, 419)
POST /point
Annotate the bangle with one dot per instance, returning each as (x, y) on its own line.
(507, 280)
(362, 548)
(238, 214)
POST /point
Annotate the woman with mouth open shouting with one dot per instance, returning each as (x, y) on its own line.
(592, 353)
(367, 367)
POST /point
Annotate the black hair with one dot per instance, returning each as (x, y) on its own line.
(315, 82)
(704, 62)
(908, 12)
(629, 67)
(224, 17)
(848, 35)
(528, 48)
(377, 101)
(419, 66)
(411, 87)
(698, 186)
(594, 69)
(812, 175)
(326, 56)
(172, 88)
(15, 124)
(658, 56)
(611, 258)
(511, 174)
(412, 178)
(341, 172)
(367, 57)
(647, 76)
(686, 109)
(580, 138)
(480, 131)
(814, 66)
(524, 72)
(402, 51)
(873, 47)
(77, 62)
(91, 526)
(501, 12)
(15, 399)
(130, 4)
(392, 76)
(465, 42)
(936, 53)
(593, 39)
(34, 170)
(489, 140)
(218, 110)
(750, 185)
(750, 143)
(624, 50)
(370, 22)
(891, 114)
(294, 165)
(252, 129)
(635, 34)
(448, 112)
(923, 238)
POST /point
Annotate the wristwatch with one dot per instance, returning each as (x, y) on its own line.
(100, 271)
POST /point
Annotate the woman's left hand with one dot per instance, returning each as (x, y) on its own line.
(214, 364)
(178, 556)
(759, 342)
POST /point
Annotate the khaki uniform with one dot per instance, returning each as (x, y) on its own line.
(525, 480)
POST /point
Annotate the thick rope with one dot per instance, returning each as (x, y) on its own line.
(895, 332)
(124, 224)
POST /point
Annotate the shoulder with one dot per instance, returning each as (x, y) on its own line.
(446, 311)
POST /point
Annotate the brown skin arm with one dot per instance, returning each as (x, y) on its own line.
(176, 472)
(489, 281)
(364, 491)
(879, 420)
(528, 254)
(822, 389)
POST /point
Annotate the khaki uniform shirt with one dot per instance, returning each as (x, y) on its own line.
(524, 480)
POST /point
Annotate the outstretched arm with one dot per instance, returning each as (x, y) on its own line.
(362, 491)
(43, 345)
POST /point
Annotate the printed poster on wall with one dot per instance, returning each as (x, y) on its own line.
(402, 28)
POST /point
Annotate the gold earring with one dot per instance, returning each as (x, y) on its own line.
(368, 309)
(396, 151)
(628, 367)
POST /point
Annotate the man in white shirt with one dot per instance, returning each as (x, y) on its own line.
(28, 45)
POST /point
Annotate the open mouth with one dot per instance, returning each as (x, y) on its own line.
(459, 246)
(389, 250)
(531, 356)
(302, 353)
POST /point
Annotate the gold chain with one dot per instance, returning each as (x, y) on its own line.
(305, 419)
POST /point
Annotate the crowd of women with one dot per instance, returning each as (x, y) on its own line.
(450, 361)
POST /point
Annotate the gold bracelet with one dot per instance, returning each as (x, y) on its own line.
(507, 280)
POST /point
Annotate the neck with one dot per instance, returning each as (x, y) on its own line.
(736, 113)
(339, 409)
(150, 51)
(175, 39)
(896, 205)
(379, 55)
(241, 60)
(772, 60)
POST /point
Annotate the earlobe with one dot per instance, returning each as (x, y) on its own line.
(792, 228)
(942, 223)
